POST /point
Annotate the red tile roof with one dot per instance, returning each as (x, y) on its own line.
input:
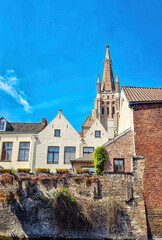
(141, 94)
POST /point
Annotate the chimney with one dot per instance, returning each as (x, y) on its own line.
(44, 122)
(60, 111)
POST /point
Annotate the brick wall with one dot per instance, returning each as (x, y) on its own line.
(122, 147)
(148, 143)
(26, 216)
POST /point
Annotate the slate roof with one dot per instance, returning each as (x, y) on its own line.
(142, 94)
(26, 127)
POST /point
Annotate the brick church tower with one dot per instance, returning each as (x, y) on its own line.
(106, 104)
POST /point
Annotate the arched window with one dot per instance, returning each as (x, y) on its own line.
(102, 110)
(107, 110)
(113, 110)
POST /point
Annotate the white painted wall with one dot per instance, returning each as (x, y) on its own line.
(16, 139)
(69, 137)
(126, 114)
(40, 142)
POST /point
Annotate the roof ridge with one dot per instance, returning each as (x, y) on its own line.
(139, 87)
(24, 122)
(117, 137)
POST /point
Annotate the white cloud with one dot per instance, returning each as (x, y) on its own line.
(9, 84)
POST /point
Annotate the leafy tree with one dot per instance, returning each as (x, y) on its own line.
(100, 157)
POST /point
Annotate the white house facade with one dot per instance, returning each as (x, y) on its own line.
(59, 143)
(17, 143)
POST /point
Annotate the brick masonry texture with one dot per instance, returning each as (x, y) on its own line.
(148, 143)
(123, 147)
(28, 217)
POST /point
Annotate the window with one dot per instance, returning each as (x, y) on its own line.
(107, 110)
(102, 110)
(2, 126)
(57, 133)
(6, 151)
(69, 154)
(118, 165)
(113, 110)
(24, 151)
(87, 150)
(91, 169)
(53, 155)
(98, 134)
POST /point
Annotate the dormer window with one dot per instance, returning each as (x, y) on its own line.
(2, 126)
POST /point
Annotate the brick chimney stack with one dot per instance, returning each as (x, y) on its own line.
(60, 111)
(44, 123)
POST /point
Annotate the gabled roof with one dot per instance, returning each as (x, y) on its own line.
(23, 127)
(87, 124)
(119, 136)
(142, 94)
(26, 127)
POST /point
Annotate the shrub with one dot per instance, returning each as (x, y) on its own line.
(68, 213)
(80, 170)
(62, 170)
(108, 212)
(23, 170)
(42, 170)
(99, 159)
(5, 170)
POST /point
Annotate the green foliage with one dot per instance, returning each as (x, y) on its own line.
(5, 170)
(99, 159)
(24, 170)
(42, 170)
(68, 212)
(80, 170)
(14, 171)
(62, 170)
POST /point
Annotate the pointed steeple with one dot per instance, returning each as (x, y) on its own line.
(117, 78)
(117, 85)
(98, 84)
(107, 56)
(107, 79)
(98, 79)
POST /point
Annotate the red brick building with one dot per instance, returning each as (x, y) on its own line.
(140, 136)
(144, 108)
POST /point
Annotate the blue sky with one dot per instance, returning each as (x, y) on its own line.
(51, 52)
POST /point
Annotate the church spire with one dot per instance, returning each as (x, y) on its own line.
(98, 84)
(107, 79)
(117, 86)
(107, 52)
